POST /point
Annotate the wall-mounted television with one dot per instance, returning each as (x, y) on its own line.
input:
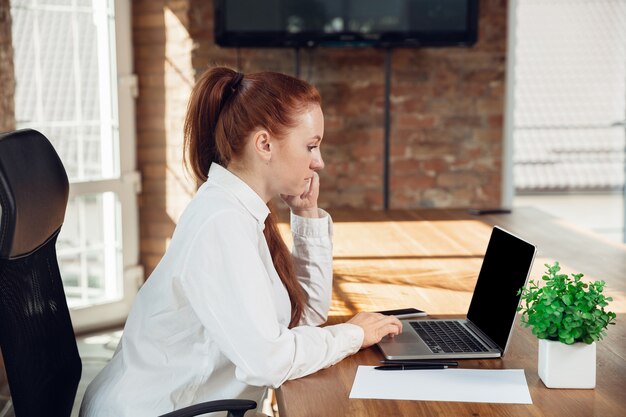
(311, 23)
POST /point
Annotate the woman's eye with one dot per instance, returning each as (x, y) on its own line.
(311, 147)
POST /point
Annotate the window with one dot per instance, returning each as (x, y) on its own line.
(76, 87)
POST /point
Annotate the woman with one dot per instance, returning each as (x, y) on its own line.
(229, 310)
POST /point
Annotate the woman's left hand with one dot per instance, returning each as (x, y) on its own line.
(305, 204)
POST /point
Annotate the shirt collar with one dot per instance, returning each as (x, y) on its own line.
(225, 179)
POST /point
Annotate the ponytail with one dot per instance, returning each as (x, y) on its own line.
(208, 97)
(224, 108)
(283, 262)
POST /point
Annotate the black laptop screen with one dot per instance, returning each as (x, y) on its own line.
(506, 266)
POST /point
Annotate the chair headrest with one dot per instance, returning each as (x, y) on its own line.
(34, 191)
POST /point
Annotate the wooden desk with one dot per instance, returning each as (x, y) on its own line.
(430, 259)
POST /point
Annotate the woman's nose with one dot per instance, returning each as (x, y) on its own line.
(317, 163)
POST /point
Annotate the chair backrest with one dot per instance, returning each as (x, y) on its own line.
(36, 337)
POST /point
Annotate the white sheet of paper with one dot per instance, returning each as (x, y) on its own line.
(460, 385)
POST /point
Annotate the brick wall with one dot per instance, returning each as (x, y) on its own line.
(162, 60)
(7, 76)
(447, 122)
(446, 114)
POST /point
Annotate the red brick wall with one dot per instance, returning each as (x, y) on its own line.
(162, 59)
(7, 76)
(7, 93)
(446, 114)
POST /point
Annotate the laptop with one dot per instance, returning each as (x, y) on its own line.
(486, 331)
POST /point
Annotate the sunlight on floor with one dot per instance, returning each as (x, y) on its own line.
(600, 213)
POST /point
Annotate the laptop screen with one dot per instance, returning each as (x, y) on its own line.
(505, 268)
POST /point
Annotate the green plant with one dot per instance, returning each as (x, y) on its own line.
(565, 308)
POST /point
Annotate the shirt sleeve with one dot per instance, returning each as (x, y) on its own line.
(313, 260)
(229, 290)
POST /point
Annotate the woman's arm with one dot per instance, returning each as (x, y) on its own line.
(230, 291)
(312, 252)
(313, 256)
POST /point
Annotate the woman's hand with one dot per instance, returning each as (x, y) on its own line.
(376, 326)
(305, 204)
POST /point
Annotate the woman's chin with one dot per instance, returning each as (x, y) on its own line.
(294, 192)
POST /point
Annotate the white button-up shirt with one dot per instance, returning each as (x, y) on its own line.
(212, 320)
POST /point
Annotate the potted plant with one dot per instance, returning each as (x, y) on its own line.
(568, 316)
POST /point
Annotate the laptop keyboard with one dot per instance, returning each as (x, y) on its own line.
(443, 336)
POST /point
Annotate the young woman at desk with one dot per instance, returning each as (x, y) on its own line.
(229, 310)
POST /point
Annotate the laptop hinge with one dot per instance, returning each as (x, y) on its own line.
(482, 336)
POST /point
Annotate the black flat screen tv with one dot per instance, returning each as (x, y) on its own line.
(311, 23)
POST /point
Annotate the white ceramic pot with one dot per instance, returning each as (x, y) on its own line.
(567, 366)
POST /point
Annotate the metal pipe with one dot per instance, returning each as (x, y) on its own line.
(387, 122)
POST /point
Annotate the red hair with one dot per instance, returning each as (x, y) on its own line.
(225, 107)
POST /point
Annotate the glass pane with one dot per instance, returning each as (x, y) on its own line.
(65, 81)
(90, 251)
(570, 96)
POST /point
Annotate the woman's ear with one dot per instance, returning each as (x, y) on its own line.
(263, 145)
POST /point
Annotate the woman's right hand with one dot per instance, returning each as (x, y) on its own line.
(376, 326)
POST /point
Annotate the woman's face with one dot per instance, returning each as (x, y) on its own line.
(297, 156)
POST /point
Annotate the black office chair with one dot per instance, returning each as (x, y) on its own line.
(36, 336)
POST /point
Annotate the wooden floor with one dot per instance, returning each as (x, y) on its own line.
(377, 262)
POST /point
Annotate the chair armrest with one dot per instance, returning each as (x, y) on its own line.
(235, 408)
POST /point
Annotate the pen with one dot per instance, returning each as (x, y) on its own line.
(408, 367)
(417, 362)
